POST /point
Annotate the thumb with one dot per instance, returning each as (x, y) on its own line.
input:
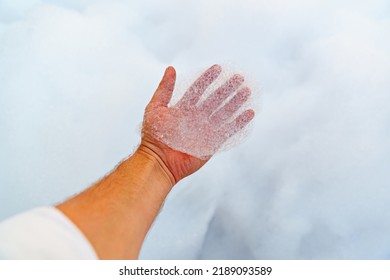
(163, 93)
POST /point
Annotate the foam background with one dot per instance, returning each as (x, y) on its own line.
(310, 182)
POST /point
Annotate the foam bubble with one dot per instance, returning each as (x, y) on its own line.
(210, 116)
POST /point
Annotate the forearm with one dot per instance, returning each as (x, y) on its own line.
(116, 213)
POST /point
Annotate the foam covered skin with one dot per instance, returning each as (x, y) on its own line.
(198, 125)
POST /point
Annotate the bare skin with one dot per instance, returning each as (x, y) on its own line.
(116, 213)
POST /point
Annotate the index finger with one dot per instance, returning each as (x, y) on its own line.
(195, 91)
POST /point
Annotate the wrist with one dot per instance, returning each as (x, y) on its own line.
(147, 152)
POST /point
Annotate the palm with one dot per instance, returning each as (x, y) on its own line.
(179, 163)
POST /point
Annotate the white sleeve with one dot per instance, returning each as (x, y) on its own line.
(43, 233)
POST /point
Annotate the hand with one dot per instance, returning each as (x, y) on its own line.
(185, 136)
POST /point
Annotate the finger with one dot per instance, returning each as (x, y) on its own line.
(231, 106)
(239, 123)
(163, 93)
(219, 96)
(195, 91)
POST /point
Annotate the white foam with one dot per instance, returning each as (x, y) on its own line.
(210, 116)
